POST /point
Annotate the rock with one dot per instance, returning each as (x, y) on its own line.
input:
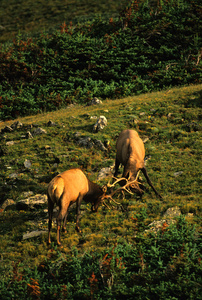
(157, 225)
(6, 129)
(38, 131)
(13, 175)
(94, 101)
(28, 135)
(7, 203)
(105, 172)
(51, 124)
(32, 202)
(100, 145)
(145, 140)
(10, 143)
(27, 164)
(77, 135)
(85, 142)
(32, 234)
(172, 212)
(100, 124)
(16, 125)
(27, 194)
(178, 173)
(168, 219)
(169, 115)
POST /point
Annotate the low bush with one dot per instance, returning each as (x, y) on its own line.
(158, 49)
(165, 265)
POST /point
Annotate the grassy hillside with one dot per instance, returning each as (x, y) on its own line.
(30, 17)
(113, 245)
(157, 49)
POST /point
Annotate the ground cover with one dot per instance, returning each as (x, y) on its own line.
(171, 122)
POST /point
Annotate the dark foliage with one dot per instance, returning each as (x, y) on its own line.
(165, 266)
(146, 49)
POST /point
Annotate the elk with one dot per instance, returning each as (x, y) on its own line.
(67, 188)
(131, 153)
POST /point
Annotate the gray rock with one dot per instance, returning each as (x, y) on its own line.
(28, 135)
(10, 143)
(7, 203)
(32, 202)
(172, 212)
(38, 131)
(105, 172)
(168, 219)
(178, 173)
(100, 124)
(100, 145)
(94, 101)
(16, 125)
(13, 175)
(6, 129)
(51, 123)
(33, 234)
(27, 164)
(157, 225)
(85, 142)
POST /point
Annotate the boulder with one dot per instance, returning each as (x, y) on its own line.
(100, 124)
(94, 101)
(32, 202)
(38, 131)
(8, 203)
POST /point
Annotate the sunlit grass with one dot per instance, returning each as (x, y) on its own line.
(172, 147)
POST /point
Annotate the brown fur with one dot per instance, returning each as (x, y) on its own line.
(131, 153)
(67, 188)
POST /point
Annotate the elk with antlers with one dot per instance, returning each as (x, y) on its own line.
(67, 188)
(131, 153)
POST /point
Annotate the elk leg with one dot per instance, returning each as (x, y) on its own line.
(64, 223)
(117, 163)
(149, 182)
(50, 216)
(61, 216)
(78, 212)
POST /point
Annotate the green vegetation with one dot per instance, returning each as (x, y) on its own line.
(30, 17)
(149, 76)
(158, 49)
(114, 256)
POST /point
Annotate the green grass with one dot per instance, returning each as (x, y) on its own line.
(39, 15)
(173, 146)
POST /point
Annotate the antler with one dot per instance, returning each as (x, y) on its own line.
(126, 188)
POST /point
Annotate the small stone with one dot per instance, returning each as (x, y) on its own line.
(100, 145)
(16, 125)
(178, 173)
(10, 143)
(51, 123)
(28, 135)
(100, 124)
(94, 101)
(32, 234)
(7, 129)
(7, 202)
(172, 212)
(27, 164)
(38, 131)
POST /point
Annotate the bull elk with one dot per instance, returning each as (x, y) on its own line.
(67, 188)
(131, 153)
